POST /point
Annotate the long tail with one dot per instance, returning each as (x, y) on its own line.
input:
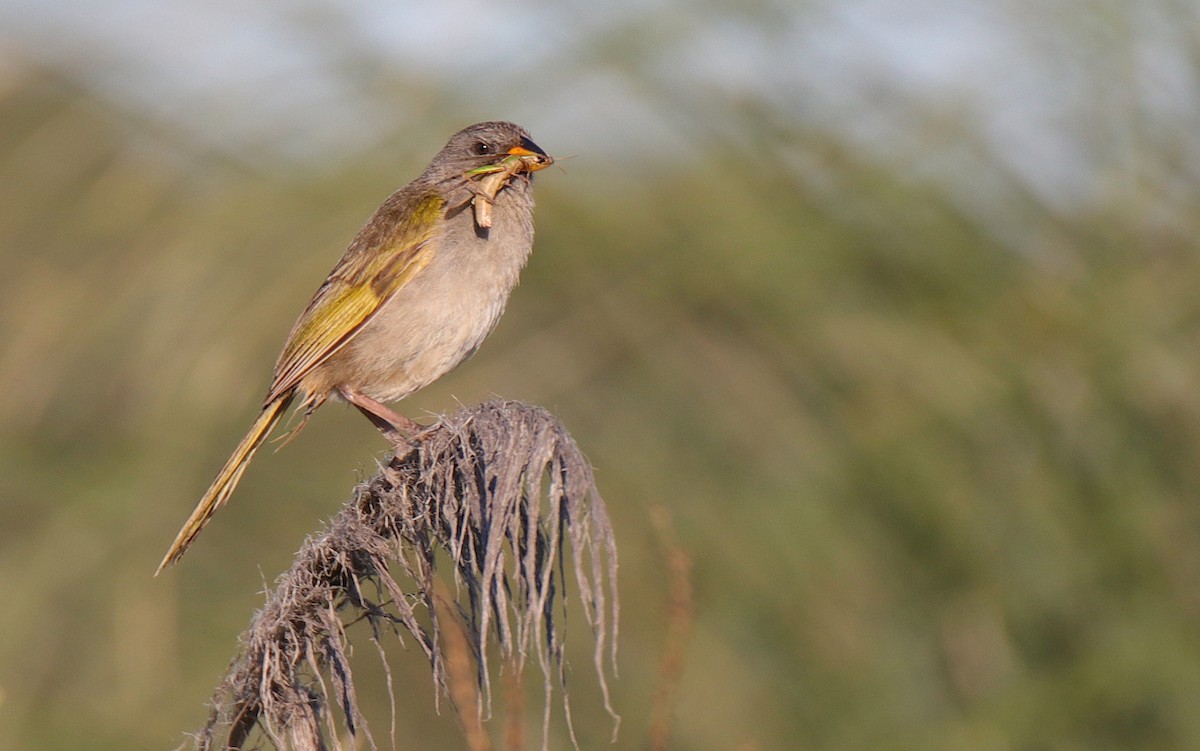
(227, 479)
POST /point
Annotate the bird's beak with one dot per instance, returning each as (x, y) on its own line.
(531, 155)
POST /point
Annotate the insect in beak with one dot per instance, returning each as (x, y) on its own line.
(526, 157)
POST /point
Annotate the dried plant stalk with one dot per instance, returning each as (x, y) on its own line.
(501, 491)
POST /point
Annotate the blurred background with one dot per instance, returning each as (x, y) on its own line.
(892, 307)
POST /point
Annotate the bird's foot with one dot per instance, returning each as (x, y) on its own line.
(400, 431)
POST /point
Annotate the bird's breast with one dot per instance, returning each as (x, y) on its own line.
(442, 315)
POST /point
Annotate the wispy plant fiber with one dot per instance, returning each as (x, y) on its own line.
(501, 493)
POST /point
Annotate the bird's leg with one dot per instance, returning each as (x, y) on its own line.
(391, 423)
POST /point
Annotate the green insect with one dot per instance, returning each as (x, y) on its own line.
(492, 178)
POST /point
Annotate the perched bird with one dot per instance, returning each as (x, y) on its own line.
(414, 295)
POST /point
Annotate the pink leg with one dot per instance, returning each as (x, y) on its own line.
(391, 423)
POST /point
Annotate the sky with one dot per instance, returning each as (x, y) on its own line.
(309, 81)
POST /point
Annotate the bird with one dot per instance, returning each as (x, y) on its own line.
(415, 293)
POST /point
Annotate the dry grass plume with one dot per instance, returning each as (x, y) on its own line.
(498, 492)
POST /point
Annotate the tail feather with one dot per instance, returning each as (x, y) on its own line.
(227, 479)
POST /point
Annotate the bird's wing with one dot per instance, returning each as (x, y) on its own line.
(388, 252)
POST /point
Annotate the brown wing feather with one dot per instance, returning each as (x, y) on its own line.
(388, 252)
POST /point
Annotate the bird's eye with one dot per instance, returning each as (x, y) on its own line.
(481, 148)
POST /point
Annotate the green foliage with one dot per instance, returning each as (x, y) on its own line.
(933, 455)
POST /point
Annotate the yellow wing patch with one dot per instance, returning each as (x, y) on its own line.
(364, 278)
